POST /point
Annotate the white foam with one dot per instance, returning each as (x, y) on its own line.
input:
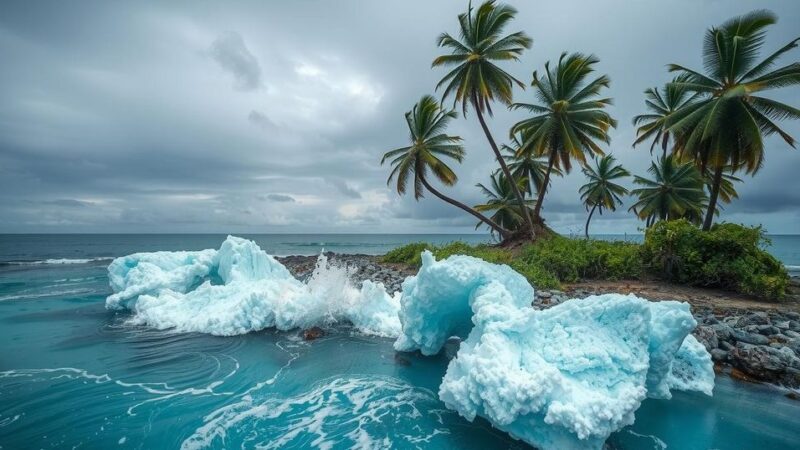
(173, 290)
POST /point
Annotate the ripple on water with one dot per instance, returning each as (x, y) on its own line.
(339, 412)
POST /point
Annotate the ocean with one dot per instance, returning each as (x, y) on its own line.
(75, 375)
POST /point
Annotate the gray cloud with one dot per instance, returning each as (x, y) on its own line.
(129, 111)
(280, 198)
(232, 55)
(261, 120)
(344, 188)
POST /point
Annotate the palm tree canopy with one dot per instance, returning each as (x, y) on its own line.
(476, 78)
(727, 125)
(527, 166)
(675, 191)
(601, 191)
(570, 115)
(427, 122)
(660, 105)
(502, 202)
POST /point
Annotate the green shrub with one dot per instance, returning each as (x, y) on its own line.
(571, 260)
(407, 254)
(729, 256)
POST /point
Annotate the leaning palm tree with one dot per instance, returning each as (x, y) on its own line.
(527, 166)
(661, 104)
(601, 191)
(476, 80)
(427, 123)
(501, 202)
(676, 191)
(568, 119)
(726, 127)
(727, 189)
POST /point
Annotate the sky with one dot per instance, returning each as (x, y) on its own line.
(272, 117)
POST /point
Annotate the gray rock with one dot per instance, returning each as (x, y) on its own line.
(762, 362)
(719, 355)
(792, 334)
(706, 336)
(755, 318)
(749, 338)
(767, 330)
(724, 332)
(724, 345)
(544, 294)
(783, 325)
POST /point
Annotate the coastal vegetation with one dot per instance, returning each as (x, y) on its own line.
(709, 126)
(730, 257)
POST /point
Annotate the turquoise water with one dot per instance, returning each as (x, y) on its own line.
(73, 375)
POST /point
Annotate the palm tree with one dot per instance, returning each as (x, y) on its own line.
(476, 80)
(661, 104)
(569, 118)
(727, 125)
(527, 166)
(676, 191)
(502, 203)
(601, 191)
(427, 123)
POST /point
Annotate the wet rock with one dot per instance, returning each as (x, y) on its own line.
(723, 331)
(756, 318)
(706, 336)
(313, 333)
(749, 338)
(763, 362)
(719, 355)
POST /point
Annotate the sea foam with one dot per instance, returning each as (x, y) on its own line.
(240, 288)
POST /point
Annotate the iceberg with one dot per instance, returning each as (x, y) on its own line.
(240, 288)
(562, 378)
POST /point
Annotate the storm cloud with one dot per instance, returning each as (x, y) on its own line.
(273, 116)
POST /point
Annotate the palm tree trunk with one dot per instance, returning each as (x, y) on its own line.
(500, 230)
(504, 168)
(712, 201)
(545, 183)
(586, 231)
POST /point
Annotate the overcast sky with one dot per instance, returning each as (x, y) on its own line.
(272, 116)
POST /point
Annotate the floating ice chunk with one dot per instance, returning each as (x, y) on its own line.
(436, 302)
(562, 378)
(692, 368)
(257, 292)
(149, 273)
(243, 260)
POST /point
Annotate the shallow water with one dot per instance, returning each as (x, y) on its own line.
(75, 375)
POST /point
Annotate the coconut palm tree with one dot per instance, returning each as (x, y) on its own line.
(527, 166)
(727, 125)
(476, 80)
(501, 202)
(569, 118)
(676, 191)
(427, 123)
(661, 104)
(601, 191)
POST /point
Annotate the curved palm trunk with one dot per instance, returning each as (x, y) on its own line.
(500, 230)
(545, 183)
(586, 231)
(712, 201)
(504, 168)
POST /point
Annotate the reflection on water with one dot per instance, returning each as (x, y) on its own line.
(75, 375)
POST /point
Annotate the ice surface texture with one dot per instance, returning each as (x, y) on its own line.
(239, 288)
(562, 378)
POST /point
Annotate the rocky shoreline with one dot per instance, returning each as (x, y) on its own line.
(748, 339)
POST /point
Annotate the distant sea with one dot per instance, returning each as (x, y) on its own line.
(24, 249)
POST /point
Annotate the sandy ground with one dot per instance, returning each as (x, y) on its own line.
(712, 298)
